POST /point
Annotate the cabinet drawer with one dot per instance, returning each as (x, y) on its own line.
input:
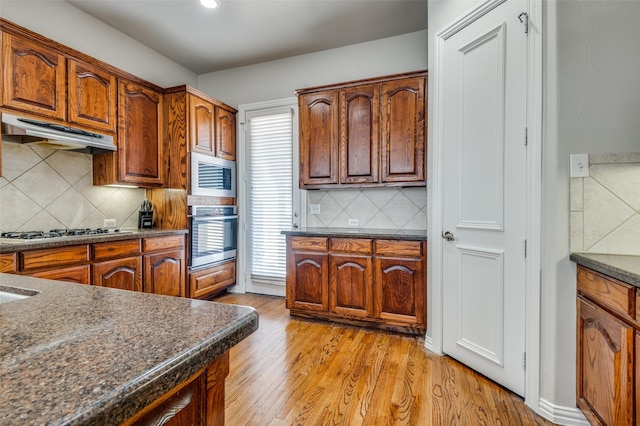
(607, 292)
(8, 262)
(351, 245)
(111, 249)
(309, 243)
(48, 258)
(163, 243)
(208, 281)
(398, 248)
(72, 274)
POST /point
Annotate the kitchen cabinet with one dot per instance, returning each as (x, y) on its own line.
(164, 268)
(139, 159)
(72, 274)
(368, 281)
(364, 133)
(205, 283)
(225, 133)
(124, 274)
(92, 96)
(8, 262)
(606, 356)
(212, 127)
(34, 77)
(44, 81)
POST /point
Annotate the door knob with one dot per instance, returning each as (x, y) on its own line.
(448, 236)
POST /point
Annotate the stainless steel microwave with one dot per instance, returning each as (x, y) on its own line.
(212, 176)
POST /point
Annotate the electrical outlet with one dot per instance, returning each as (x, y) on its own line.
(353, 222)
(579, 165)
(314, 208)
(109, 223)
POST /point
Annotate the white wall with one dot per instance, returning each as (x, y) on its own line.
(278, 79)
(70, 26)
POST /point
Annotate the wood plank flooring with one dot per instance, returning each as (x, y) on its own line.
(304, 372)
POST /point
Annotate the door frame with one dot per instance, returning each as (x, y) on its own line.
(243, 247)
(433, 341)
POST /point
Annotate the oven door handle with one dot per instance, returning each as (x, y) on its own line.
(209, 218)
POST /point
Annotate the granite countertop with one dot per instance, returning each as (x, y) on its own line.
(84, 355)
(396, 234)
(11, 245)
(621, 267)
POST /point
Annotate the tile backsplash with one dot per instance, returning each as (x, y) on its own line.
(605, 207)
(378, 208)
(42, 189)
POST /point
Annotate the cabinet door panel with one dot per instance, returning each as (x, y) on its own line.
(205, 283)
(141, 159)
(93, 95)
(319, 138)
(350, 285)
(605, 367)
(359, 144)
(400, 291)
(202, 125)
(308, 282)
(34, 77)
(164, 273)
(125, 274)
(8, 262)
(225, 134)
(403, 130)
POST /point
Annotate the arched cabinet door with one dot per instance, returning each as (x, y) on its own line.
(350, 279)
(125, 274)
(164, 273)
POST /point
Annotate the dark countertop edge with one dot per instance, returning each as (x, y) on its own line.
(396, 234)
(131, 234)
(604, 265)
(136, 395)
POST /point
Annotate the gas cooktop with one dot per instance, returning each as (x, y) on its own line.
(58, 233)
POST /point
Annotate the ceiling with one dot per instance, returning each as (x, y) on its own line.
(245, 32)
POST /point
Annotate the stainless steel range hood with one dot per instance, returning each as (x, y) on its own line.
(55, 136)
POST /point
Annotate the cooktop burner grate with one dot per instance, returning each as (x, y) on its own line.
(54, 233)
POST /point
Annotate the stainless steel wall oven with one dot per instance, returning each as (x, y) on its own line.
(214, 234)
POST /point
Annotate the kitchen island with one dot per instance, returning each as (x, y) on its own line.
(73, 354)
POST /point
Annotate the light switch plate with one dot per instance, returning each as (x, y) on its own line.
(109, 223)
(579, 165)
(353, 222)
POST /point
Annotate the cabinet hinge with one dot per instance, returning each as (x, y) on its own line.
(525, 248)
(526, 136)
(524, 19)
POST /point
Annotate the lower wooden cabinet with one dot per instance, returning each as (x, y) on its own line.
(124, 274)
(164, 273)
(8, 262)
(207, 282)
(607, 350)
(378, 283)
(73, 274)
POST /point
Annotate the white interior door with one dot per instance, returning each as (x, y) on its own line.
(484, 179)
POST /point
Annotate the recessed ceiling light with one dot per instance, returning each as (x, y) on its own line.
(211, 4)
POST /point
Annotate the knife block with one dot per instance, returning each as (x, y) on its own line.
(145, 219)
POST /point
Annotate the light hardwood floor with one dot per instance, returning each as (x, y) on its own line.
(303, 372)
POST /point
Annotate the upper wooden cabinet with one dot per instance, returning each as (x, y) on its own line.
(34, 77)
(43, 81)
(225, 134)
(202, 119)
(93, 95)
(364, 133)
(140, 157)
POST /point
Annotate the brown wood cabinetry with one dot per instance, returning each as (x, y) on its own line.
(8, 262)
(207, 282)
(606, 357)
(34, 77)
(379, 283)
(73, 274)
(164, 267)
(364, 133)
(140, 156)
(92, 95)
(212, 127)
(125, 274)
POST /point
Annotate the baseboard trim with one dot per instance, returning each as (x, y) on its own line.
(570, 416)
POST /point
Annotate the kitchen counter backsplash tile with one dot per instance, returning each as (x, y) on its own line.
(42, 189)
(377, 208)
(605, 207)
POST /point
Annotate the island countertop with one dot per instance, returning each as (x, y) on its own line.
(77, 354)
(625, 268)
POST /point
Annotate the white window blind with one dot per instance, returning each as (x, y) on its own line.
(270, 194)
